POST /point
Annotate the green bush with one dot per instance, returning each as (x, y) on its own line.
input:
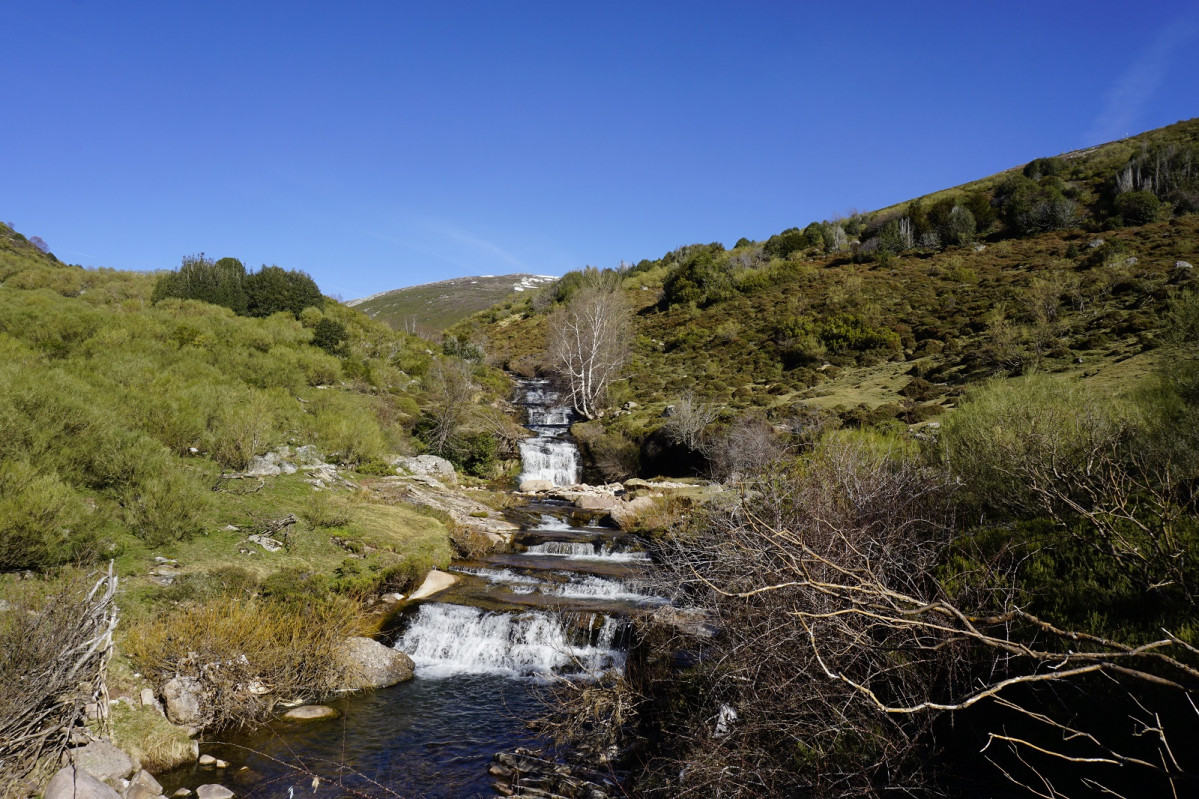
(1138, 207)
(43, 522)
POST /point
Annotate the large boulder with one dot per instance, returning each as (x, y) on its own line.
(435, 582)
(596, 502)
(182, 698)
(370, 664)
(626, 513)
(70, 783)
(143, 786)
(103, 761)
(428, 466)
(535, 486)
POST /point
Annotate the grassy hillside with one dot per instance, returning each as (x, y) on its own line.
(126, 424)
(430, 308)
(888, 315)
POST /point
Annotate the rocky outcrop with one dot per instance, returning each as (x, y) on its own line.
(427, 466)
(70, 783)
(466, 513)
(370, 664)
(143, 786)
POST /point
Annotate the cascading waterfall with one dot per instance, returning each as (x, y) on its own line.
(445, 640)
(585, 551)
(549, 455)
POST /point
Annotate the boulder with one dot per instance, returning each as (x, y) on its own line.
(596, 502)
(1182, 265)
(370, 664)
(143, 786)
(428, 466)
(103, 761)
(311, 713)
(212, 791)
(71, 784)
(436, 581)
(182, 697)
(626, 513)
(535, 486)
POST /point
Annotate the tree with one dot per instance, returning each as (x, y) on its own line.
(40, 243)
(273, 289)
(449, 387)
(589, 344)
(688, 423)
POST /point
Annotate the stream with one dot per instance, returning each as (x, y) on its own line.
(556, 605)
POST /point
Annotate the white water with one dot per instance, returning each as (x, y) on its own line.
(444, 640)
(584, 551)
(592, 587)
(550, 455)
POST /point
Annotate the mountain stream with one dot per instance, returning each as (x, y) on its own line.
(556, 604)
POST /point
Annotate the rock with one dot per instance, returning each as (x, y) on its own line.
(1130, 260)
(143, 786)
(229, 528)
(182, 792)
(1182, 265)
(596, 502)
(626, 513)
(392, 598)
(979, 247)
(207, 760)
(182, 697)
(630, 405)
(222, 763)
(436, 581)
(668, 411)
(370, 664)
(310, 456)
(428, 466)
(535, 486)
(1095, 244)
(71, 784)
(149, 700)
(262, 466)
(267, 543)
(212, 791)
(103, 761)
(311, 713)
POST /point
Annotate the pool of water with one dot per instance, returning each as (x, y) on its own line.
(429, 738)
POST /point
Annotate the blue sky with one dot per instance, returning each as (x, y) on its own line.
(383, 144)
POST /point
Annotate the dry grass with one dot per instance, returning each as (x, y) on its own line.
(153, 741)
(237, 649)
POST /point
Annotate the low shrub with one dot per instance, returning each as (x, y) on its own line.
(228, 645)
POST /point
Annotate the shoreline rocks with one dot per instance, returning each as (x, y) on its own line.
(370, 664)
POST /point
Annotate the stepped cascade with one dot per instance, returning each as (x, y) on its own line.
(549, 455)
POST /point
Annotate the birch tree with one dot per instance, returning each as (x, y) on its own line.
(589, 343)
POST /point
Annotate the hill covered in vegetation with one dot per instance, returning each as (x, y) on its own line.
(430, 308)
(173, 422)
(1064, 265)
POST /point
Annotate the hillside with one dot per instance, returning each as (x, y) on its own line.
(1064, 265)
(433, 307)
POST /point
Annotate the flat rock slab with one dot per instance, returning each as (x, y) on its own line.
(435, 582)
(311, 713)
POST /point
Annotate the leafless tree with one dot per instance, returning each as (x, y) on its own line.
(40, 243)
(589, 343)
(449, 388)
(689, 421)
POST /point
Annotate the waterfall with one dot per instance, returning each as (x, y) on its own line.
(585, 551)
(444, 640)
(549, 455)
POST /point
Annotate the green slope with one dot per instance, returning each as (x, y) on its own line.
(432, 307)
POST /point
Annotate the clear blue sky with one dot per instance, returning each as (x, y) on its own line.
(384, 144)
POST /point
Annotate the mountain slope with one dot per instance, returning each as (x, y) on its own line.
(432, 307)
(1066, 265)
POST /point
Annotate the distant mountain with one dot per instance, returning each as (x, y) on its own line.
(433, 307)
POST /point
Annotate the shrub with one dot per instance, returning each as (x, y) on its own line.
(43, 521)
(1138, 207)
(230, 644)
(330, 335)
